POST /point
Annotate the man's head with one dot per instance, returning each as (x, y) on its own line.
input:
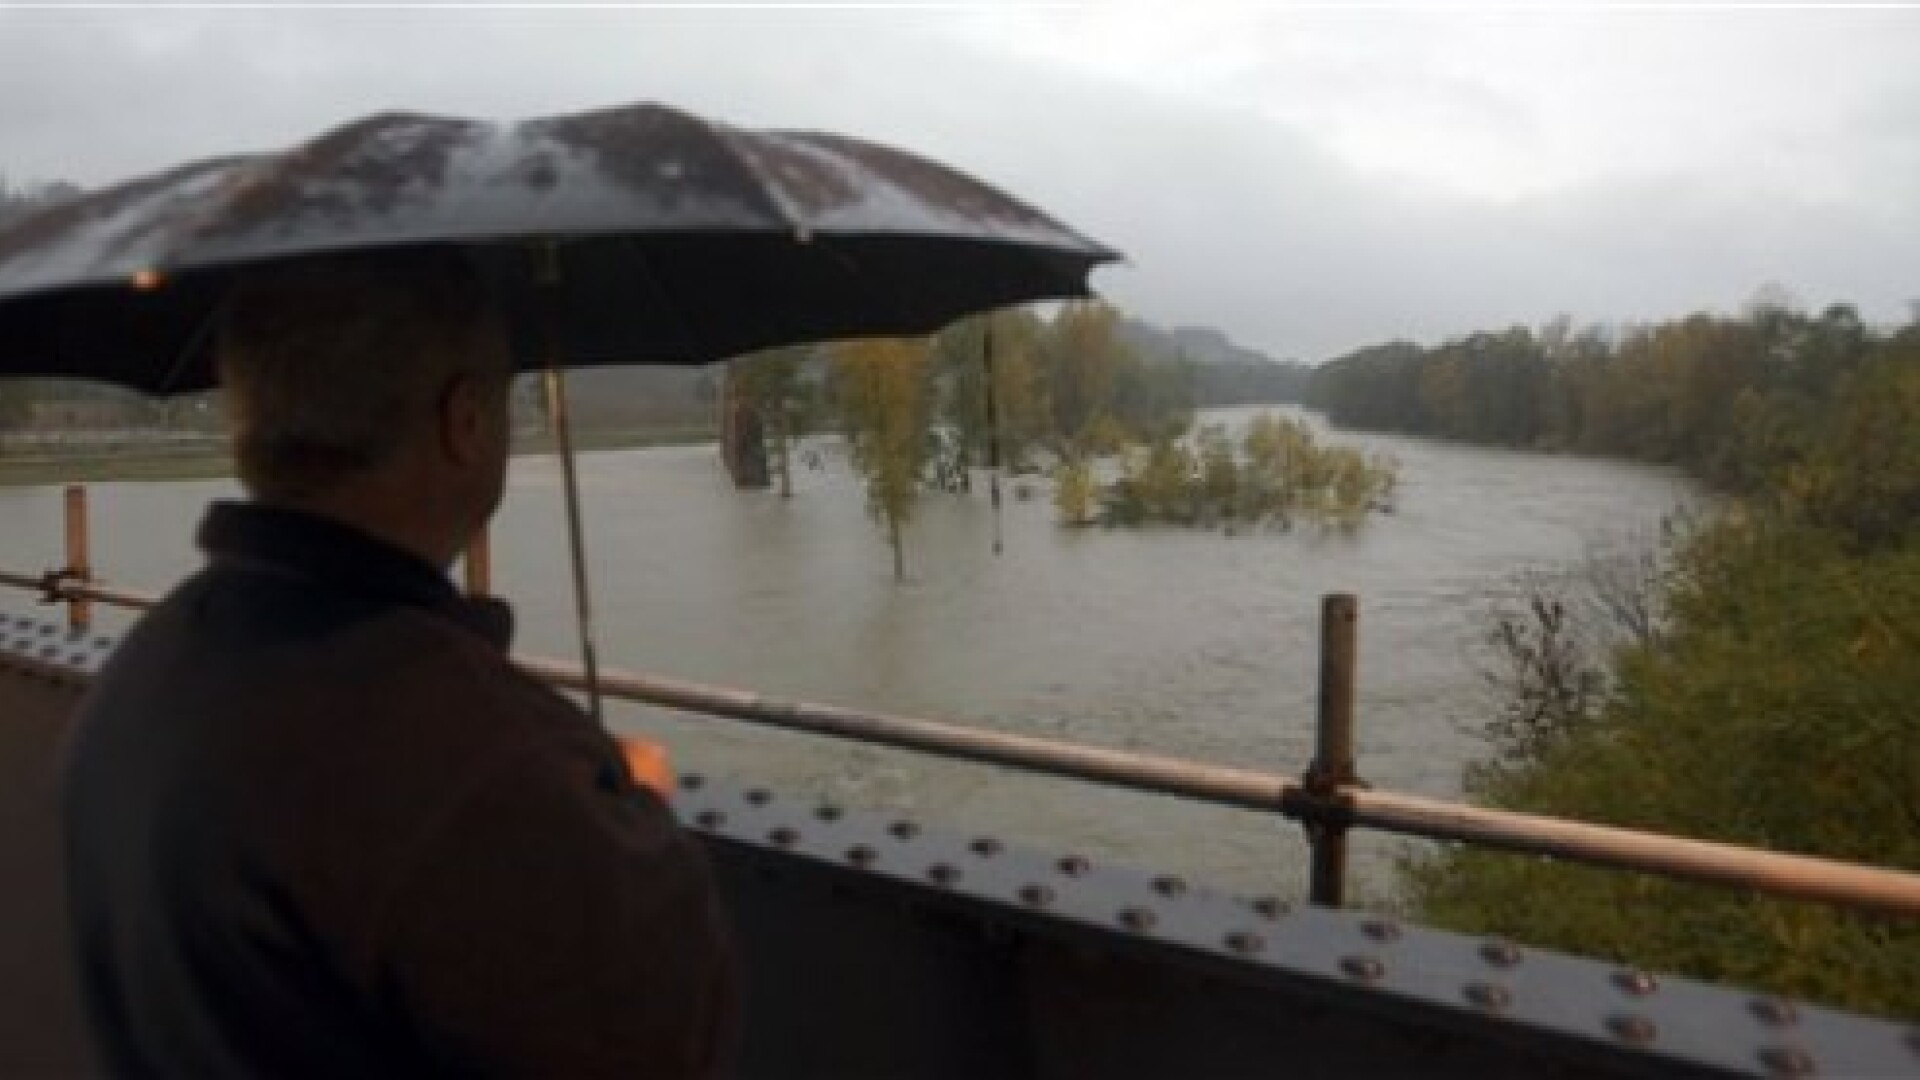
(373, 387)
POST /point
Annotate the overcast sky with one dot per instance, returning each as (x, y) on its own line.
(1307, 180)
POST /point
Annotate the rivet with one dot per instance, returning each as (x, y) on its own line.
(1036, 895)
(1635, 982)
(692, 782)
(711, 819)
(986, 847)
(1244, 941)
(1074, 866)
(944, 873)
(784, 836)
(1139, 920)
(1629, 1028)
(759, 796)
(1773, 1012)
(1169, 885)
(904, 830)
(1271, 907)
(827, 813)
(1489, 996)
(1363, 968)
(861, 855)
(1380, 930)
(1787, 1061)
(1502, 954)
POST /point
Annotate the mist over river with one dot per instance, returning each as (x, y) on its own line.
(1173, 641)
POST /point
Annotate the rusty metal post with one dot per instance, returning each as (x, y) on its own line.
(477, 564)
(1333, 763)
(79, 563)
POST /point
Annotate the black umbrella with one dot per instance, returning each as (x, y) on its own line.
(653, 236)
(632, 235)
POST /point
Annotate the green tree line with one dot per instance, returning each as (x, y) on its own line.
(1762, 685)
(1728, 398)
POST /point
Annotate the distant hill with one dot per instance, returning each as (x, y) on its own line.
(1224, 373)
(1201, 344)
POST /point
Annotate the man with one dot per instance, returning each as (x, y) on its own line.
(316, 823)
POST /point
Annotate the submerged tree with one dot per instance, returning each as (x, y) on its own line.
(1073, 493)
(881, 390)
(771, 385)
(1279, 472)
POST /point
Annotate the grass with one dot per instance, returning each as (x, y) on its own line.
(156, 462)
(129, 462)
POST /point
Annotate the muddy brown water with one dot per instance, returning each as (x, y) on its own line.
(1172, 641)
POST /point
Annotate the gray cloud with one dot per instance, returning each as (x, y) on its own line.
(1227, 171)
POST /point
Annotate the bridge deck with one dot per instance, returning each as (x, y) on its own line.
(877, 947)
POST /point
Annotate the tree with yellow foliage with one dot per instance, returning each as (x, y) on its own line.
(881, 386)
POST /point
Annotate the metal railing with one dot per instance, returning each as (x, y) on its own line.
(1327, 800)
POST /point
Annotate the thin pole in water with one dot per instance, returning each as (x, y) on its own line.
(993, 436)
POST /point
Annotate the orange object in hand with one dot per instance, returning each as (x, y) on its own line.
(647, 761)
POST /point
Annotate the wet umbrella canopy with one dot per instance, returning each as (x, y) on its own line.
(632, 235)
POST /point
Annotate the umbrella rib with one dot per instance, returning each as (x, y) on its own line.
(768, 186)
(185, 354)
(689, 339)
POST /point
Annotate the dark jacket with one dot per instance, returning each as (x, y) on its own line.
(317, 825)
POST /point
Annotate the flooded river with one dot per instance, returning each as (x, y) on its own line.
(1179, 642)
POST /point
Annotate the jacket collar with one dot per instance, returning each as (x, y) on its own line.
(339, 558)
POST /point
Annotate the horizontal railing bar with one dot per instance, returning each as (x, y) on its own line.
(1848, 884)
(111, 596)
(63, 589)
(20, 581)
(1776, 873)
(1167, 776)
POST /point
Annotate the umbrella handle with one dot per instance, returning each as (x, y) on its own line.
(555, 383)
(553, 380)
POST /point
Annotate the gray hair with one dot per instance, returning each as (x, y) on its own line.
(331, 365)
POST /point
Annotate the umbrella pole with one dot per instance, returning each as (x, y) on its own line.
(555, 384)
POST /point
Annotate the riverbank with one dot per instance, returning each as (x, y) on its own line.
(153, 462)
